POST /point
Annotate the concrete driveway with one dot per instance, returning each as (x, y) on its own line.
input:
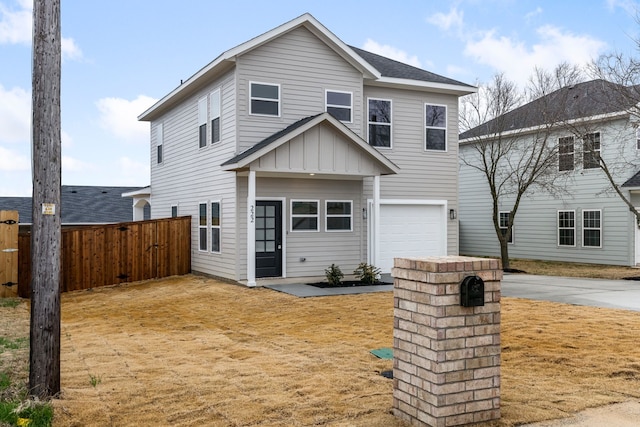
(624, 294)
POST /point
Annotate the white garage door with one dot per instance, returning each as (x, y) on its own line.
(410, 231)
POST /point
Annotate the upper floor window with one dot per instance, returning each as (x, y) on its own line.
(565, 153)
(338, 215)
(591, 228)
(566, 228)
(265, 99)
(304, 215)
(436, 127)
(202, 122)
(159, 142)
(214, 105)
(380, 123)
(174, 211)
(504, 224)
(591, 150)
(339, 105)
(638, 138)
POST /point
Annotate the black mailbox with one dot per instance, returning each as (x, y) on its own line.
(472, 291)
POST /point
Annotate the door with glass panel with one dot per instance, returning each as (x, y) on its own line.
(268, 238)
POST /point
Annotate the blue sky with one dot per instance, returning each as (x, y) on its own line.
(119, 56)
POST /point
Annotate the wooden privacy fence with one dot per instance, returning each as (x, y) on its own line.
(105, 255)
(8, 253)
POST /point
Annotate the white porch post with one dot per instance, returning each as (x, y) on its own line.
(251, 229)
(376, 220)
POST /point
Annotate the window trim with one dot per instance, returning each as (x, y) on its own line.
(212, 226)
(159, 144)
(505, 227)
(585, 152)
(585, 228)
(327, 105)
(558, 228)
(572, 153)
(205, 226)
(215, 104)
(427, 127)
(316, 216)
(390, 124)
(327, 216)
(278, 101)
(638, 138)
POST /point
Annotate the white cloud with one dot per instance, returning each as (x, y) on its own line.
(533, 13)
(70, 50)
(132, 172)
(629, 6)
(120, 117)
(71, 164)
(391, 52)
(11, 160)
(15, 115)
(452, 20)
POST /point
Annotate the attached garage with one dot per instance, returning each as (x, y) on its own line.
(411, 229)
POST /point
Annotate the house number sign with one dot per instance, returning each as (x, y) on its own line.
(251, 214)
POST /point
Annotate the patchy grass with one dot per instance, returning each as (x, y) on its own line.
(554, 268)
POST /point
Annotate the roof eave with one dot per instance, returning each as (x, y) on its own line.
(458, 90)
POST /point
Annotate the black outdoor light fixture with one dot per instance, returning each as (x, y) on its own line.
(452, 214)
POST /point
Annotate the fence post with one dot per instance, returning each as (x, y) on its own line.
(8, 254)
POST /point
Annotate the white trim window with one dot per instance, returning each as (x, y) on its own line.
(215, 226)
(338, 215)
(379, 121)
(592, 228)
(638, 138)
(566, 151)
(591, 151)
(202, 122)
(214, 106)
(339, 104)
(159, 143)
(174, 211)
(503, 222)
(304, 215)
(265, 99)
(202, 227)
(435, 127)
(566, 228)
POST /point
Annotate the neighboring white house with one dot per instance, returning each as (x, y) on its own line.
(587, 221)
(294, 151)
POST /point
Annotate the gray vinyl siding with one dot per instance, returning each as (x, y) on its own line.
(304, 68)
(320, 249)
(535, 225)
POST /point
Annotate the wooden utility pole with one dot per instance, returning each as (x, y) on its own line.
(46, 236)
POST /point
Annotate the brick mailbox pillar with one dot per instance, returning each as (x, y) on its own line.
(446, 357)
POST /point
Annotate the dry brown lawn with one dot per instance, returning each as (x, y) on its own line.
(554, 268)
(194, 351)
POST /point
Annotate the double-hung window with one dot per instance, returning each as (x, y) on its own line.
(339, 215)
(174, 211)
(435, 127)
(304, 215)
(265, 99)
(159, 142)
(202, 226)
(202, 122)
(380, 123)
(638, 138)
(214, 105)
(215, 226)
(566, 228)
(503, 220)
(565, 153)
(591, 228)
(591, 150)
(339, 105)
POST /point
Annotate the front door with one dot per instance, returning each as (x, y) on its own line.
(268, 238)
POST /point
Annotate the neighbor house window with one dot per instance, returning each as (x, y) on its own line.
(566, 228)
(591, 150)
(202, 226)
(436, 127)
(265, 99)
(503, 220)
(380, 123)
(638, 138)
(591, 228)
(174, 211)
(202, 122)
(215, 227)
(214, 105)
(339, 105)
(565, 153)
(339, 215)
(304, 215)
(159, 142)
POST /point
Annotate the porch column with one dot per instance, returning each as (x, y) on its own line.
(376, 219)
(251, 229)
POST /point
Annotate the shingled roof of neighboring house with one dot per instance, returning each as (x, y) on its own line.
(81, 205)
(634, 181)
(588, 99)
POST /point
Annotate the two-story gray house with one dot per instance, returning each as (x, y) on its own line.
(584, 220)
(294, 151)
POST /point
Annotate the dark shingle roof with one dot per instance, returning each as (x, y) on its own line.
(581, 100)
(81, 205)
(391, 68)
(634, 181)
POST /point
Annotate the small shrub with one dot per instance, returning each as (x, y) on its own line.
(334, 275)
(367, 273)
(9, 302)
(94, 380)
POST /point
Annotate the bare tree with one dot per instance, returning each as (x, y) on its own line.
(44, 360)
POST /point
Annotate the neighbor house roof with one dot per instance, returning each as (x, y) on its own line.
(81, 205)
(634, 181)
(582, 100)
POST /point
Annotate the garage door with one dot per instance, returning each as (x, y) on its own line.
(410, 231)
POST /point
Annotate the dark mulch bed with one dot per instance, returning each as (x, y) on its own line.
(513, 270)
(632, 278)
(347, 284)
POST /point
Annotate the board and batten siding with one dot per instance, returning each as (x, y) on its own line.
(190, 175)
(536, 227)
(304, 67)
